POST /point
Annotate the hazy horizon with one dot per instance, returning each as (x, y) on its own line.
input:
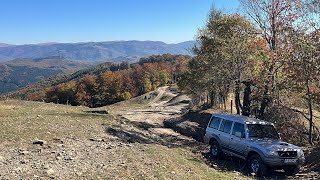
(44, 43)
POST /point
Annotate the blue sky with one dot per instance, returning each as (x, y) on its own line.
(39, 21)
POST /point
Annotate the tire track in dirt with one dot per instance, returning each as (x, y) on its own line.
(157, 112)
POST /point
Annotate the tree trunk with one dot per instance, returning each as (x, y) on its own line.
(246, 98)
(237, 97)
(310, 111)
(212, 98)
(265, 99)
(264, 102)
(225, 102)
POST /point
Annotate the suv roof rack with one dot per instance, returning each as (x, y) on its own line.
(240, 118)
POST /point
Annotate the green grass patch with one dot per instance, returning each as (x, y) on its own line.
(30, 120)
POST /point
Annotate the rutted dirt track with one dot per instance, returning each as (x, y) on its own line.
(157, 112)
(148, 121)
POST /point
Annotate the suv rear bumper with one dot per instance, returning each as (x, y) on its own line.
(276, 162)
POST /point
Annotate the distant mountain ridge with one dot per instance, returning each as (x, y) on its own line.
(94, 51)
(5, 45)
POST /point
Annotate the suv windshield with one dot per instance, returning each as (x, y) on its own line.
(262, 131)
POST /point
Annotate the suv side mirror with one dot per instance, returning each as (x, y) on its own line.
(238, 134)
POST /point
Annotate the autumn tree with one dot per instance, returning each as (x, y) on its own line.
(303, 71)
(63, 93)
(272, 17)
(222, 57)
(288, 27)
(86, 91)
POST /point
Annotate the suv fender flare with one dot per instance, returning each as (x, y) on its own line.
(252, 151)
(214, 138)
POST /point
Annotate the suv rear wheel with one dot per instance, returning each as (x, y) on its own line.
(256, 165)
(215, 150)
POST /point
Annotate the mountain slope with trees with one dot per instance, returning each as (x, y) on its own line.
(108, 83)
(21, 72)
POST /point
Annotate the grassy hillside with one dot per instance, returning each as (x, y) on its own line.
(79, 145)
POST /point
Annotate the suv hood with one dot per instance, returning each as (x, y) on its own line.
(274, 144)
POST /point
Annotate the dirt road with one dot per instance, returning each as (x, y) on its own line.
(157, 111)
(167, 104)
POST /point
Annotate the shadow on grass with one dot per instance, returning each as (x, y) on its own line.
(141, 132)
(133, 136)
(85, 115)
(234, 164)
(129, 137)
(312, 160)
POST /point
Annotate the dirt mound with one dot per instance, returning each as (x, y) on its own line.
(180, 99)
(192, 124)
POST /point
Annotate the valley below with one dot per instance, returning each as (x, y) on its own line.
(19, 73)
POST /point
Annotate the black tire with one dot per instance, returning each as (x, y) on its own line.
(257, 166)
(291, 171)
(215, 150)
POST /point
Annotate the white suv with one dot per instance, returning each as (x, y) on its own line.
(253, 140)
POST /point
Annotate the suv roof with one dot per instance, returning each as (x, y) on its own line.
(240, 118)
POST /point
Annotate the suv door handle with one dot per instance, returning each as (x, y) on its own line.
(231, 138)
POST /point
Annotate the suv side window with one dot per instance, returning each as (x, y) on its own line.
(226, 126)
(238, 127)
(215, 122)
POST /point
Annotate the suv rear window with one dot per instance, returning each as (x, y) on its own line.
(215, 122)
(226, 126)
(238, 127)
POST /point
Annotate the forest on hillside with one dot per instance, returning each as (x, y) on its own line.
(267, 60)
(109, 83)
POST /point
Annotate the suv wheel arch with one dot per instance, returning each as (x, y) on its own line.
(251, 153)
(212, 140)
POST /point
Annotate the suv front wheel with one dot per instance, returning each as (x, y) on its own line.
(215, 150)
(256, 165)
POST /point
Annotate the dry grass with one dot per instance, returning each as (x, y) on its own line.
(31, 120)
(23, 121)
